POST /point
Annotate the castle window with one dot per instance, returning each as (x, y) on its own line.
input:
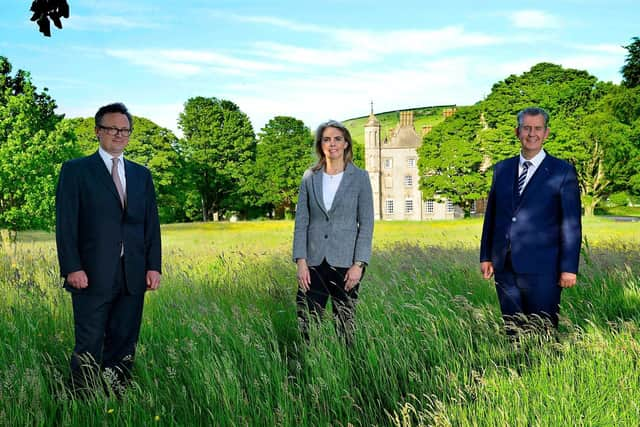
(408, 206)
(411, 163)
(449, 206)
(428, 206)
(408, 181)
(388, 206)
(388, 163)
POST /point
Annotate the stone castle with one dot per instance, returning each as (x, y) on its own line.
(392, 163)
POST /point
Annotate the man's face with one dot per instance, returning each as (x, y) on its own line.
(532, 134)
(113, 144)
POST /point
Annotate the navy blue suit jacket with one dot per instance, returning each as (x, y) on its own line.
(91, 224)
(542, 227)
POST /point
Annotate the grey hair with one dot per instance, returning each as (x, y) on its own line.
(533, 111)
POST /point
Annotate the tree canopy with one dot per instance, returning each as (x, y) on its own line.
(631, 68)
(592, 126)
(34, 142)
(284, 152)
(220, 147)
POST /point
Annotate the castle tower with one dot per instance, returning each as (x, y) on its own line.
(372, 159)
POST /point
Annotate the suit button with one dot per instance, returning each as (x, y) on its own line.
(326, 236)
(513, 219)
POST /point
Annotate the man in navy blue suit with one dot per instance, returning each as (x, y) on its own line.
(108, 239)
(532, 229)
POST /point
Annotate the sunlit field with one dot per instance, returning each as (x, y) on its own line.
(219, 342)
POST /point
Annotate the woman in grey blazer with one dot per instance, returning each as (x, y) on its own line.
(333, 231)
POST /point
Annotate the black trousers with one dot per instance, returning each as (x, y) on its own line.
(328, 281)
(106, 333)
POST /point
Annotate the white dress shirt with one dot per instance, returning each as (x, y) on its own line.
(533, 167)
(106, 158)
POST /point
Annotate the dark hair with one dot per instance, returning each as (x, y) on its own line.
(348, 150)
(533, 111)
(116, 107)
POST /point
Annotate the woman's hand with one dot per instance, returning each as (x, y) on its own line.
(304, 278)
(352, 278)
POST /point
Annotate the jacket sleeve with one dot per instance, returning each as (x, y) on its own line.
(571, 223)
(364, 240)
(486, 242)
(67, 220)
(152, 240)
(301, 223)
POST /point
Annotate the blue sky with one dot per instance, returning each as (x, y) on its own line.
(310, 60)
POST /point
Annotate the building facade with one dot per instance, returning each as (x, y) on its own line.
(392, 163)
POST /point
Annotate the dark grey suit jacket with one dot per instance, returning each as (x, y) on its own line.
(91, 224)
(342, 234)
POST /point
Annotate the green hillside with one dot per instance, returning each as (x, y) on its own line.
(388, 120)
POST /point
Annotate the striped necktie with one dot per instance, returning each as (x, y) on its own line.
(523, 176)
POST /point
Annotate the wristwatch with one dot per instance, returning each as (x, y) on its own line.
(360, 264)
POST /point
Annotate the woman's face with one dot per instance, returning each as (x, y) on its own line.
(333, 143)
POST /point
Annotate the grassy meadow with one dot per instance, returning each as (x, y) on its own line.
(219, 342)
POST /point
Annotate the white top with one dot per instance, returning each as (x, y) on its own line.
(330, 184)
(535, 164)
(106, 158)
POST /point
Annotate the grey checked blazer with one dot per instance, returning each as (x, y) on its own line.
(343, 234)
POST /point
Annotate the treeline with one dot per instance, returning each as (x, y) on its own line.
(220, 167)
(595, 125)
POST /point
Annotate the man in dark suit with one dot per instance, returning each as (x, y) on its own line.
(108, 239)
(532, 231)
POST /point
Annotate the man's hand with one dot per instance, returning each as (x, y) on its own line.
(486, 267)
(567, 280)
(304, 277)
(153, 280)
(78, 279)
(352, 278)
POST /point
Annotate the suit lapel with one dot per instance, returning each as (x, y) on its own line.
(316, 182)
(512, 170)
(345, 183)
(134, 182)
(103, 175)
(540, 175)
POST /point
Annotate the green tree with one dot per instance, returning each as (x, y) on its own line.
(631, 68)
(284, 152)
(592, 125)
(450, 163)
(220, 148)
(573, 98)
(34, 142)
(597, 145)
(158, 149)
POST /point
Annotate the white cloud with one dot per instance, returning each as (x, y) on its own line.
(426, 42)
(277, 22)
(187, 63)
(534, 19)
(602, 48)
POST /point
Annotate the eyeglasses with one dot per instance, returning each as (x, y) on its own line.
(114, 131)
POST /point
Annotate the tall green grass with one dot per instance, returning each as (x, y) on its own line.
(219, 342)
